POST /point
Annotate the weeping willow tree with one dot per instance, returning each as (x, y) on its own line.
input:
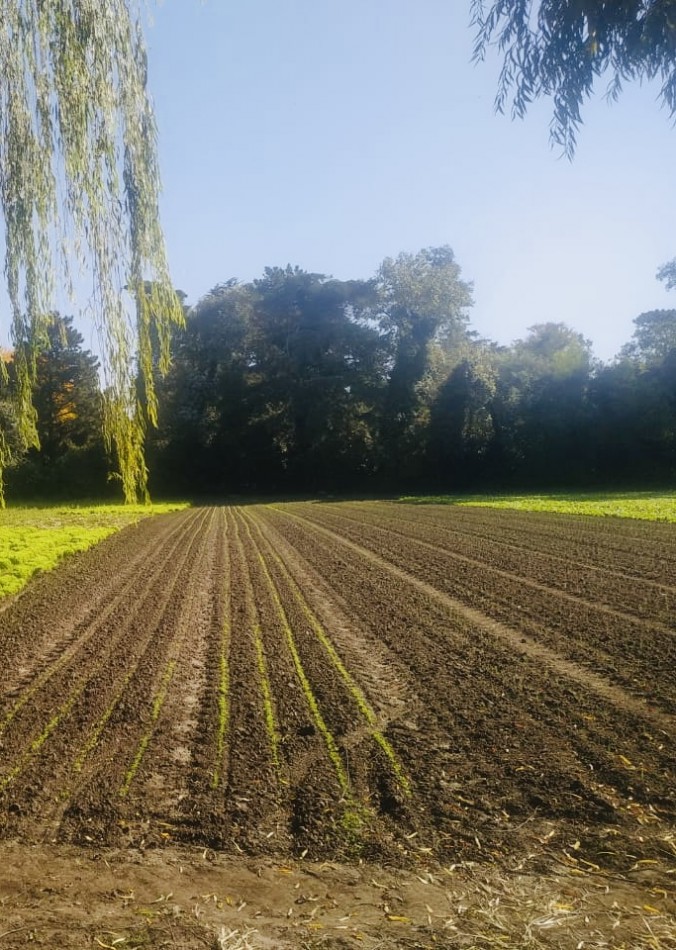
(79, 188)
(559, 48)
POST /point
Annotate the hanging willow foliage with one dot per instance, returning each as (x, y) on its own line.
(559, 48)
(79, 187)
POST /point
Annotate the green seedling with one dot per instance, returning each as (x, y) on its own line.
(156, 709)
(358, 696)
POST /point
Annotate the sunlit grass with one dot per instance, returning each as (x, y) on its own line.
(35, 539)
(647, 506)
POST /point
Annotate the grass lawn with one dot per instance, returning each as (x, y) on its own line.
(35, 539)
(648, 506)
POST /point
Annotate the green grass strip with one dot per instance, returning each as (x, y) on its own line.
(330, 742)
(354, 689)
(36, 539)
(643, 506)
(158, 703)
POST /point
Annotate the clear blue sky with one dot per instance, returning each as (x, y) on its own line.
(333, 133)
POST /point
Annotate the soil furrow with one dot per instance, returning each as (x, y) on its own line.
(643, 598)
(633, 654)
(91, 704)
(601, 542)
(348, 682)
(70, 674)
(317, 719)
(374, 723)
(513, 637)
(166, 761)
(500, 720)
(374, 783)
(246, 810)
(104, 799)
(325, 813)
(55, 629)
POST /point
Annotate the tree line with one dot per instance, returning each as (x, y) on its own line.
(300, 383)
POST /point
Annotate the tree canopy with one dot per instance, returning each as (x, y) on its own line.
(79, 188)
(559, 48)
(301, 383)
(654, 338)
(71, 461)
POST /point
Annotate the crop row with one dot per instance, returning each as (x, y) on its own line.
(533, 731)
(633, 652)
(279, 678)
(124, 681)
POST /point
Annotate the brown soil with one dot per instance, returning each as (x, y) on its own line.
(273, 705)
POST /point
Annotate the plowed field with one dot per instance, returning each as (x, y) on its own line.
(363, 680)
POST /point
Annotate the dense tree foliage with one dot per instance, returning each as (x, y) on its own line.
(70, 460)
(559, 48)
(300, 383)
(12, 442)
(274, 386)
(423, 308)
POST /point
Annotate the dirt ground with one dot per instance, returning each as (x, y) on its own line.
(61, 896)
(333, 725)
